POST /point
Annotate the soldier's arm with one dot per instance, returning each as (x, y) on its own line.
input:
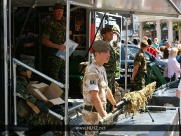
(137, 63)
(50, 44)
(178, 93)
(111, 98)
(24, 92)
(97, 103)
(135, 70)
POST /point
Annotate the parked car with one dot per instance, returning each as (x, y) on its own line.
(132, 50)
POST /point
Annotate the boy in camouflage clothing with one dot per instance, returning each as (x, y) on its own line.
(41, 119)
(140, 67)
(95, 87)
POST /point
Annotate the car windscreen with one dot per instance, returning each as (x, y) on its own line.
(132, 50)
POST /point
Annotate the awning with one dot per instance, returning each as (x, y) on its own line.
(169, 8)
(147, 18)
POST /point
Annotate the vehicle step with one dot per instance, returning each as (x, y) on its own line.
(21, 127)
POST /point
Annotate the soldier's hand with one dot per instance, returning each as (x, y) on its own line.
(131, 80)
(41, 106)
(105, 113)
(61, 47)
(113, 108)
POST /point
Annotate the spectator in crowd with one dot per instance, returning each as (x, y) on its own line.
(155, 43)
(166, 50)
(162, 43)
(135, 42)
(162, 48)
(178, 57)
(173, 65)
(122, 41)
(156, 46)
(151, 49)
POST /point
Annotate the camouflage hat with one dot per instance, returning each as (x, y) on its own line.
(101, 46)
(58, 6)
(116, 29)
(106, 30)
(27, 62)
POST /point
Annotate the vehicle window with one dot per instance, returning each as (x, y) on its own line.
(147, 56)
(132, 52)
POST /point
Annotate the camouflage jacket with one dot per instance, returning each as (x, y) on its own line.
(22, 89)
(54, 31)
(95, 78)
(111, 65)
(141, 60)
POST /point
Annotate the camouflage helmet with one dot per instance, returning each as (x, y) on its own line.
(27, 62)
(116, 29)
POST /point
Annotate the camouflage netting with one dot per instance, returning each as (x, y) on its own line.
(82, 67)
(138, 99)
(119, 92)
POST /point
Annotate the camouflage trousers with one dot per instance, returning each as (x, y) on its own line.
(54, 67)
(46, 120)
(139, 82)
(90, 118)
(111, 81)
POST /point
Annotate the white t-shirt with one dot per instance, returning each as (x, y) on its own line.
(173, 67)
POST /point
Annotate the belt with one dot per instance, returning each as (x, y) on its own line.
(92, 108)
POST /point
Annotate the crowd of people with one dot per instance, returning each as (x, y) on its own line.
(163, 50)
(159, 49)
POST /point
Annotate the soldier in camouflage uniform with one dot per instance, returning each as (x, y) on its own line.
(95, 87)
(53, 37)
(107, 35)
(140, 67)
(41, 119)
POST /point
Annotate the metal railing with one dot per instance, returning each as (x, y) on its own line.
(16, 61)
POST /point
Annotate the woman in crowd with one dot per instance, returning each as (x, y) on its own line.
(156, 46)
(166, 50)
(151, 49)
(173, 65)
(155, 43)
